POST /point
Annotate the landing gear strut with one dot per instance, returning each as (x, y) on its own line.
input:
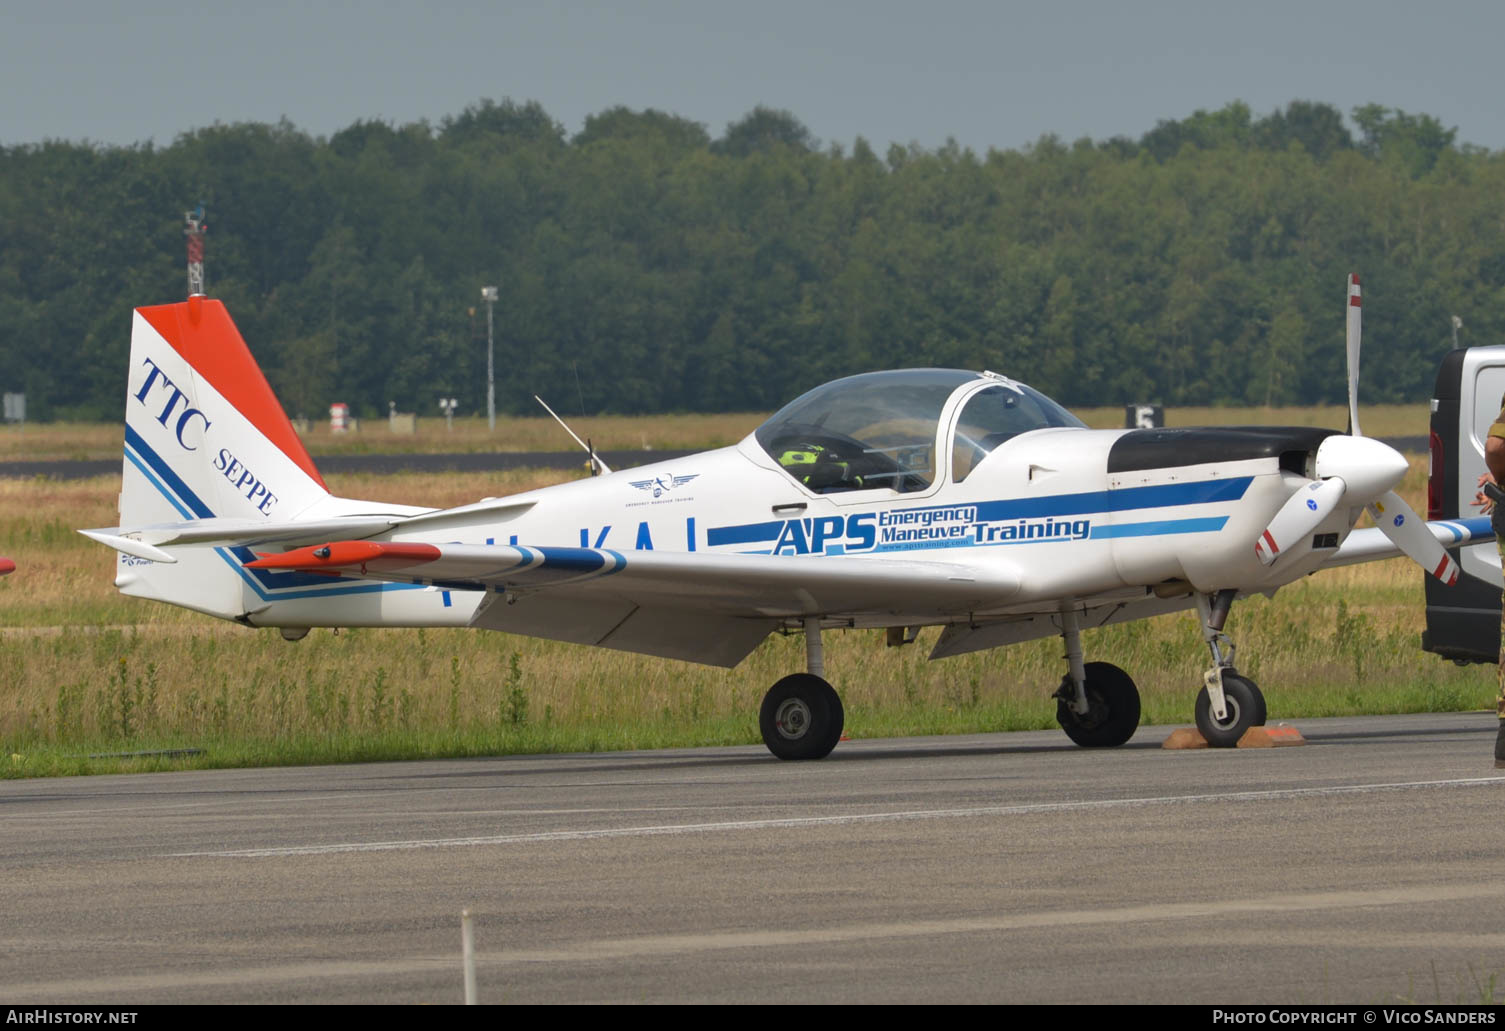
(802, 717)
(1228, 704)
(1097, 703)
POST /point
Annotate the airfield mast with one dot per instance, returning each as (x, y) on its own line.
(194, 229)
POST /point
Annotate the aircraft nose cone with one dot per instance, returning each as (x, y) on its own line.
(1368, 467)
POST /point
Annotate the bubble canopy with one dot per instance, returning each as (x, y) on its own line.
(881, 429)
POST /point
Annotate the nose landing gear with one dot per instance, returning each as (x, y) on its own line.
(1228, 704)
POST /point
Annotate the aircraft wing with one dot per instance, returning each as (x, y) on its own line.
(704, 607)
(1371, 544)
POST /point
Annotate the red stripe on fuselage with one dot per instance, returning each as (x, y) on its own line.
(202, 332)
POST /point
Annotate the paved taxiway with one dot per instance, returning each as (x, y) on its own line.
(1366, 866)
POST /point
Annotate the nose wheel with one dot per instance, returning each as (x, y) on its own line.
(1228, 704)
(1243, 707)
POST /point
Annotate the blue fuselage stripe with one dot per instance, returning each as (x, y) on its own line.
(1159, 527)
(1127, 499)
(750, 533)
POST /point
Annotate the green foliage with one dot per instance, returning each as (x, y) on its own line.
(1354, 637)
(514, 695)
(1411, 142)
(1202, 263)
(762, 131)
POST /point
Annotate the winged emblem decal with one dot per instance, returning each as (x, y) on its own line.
(660, 485)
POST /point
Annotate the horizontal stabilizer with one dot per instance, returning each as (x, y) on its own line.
(241, 532)
(128, 545)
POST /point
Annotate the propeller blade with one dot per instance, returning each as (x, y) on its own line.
(1355, 319)
(1408, 532)
(1299, 516)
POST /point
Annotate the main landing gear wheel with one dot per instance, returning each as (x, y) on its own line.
(1246, 708)
(801, 717)
(1113, 707)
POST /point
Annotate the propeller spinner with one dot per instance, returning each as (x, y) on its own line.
(1357, 471)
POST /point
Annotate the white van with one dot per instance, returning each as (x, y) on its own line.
(1463, 621)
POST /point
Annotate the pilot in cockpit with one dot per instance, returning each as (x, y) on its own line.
(819, 468)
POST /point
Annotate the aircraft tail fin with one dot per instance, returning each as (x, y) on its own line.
(205, 439)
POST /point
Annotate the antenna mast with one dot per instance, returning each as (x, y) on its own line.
(194, 229)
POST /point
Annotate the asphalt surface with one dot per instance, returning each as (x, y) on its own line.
(1363, 867)
(475, 462)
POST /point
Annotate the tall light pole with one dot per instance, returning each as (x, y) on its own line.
(1457, 325)
(488, 294)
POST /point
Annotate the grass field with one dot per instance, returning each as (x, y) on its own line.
(94, 441)
(88, 672)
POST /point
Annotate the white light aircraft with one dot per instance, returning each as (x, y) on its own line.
(891, 500)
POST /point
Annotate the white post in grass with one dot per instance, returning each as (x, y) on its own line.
(489, 295)
(468, 957)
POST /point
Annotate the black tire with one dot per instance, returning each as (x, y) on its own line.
(801, 717)
(1246, 708)
(1113, 713)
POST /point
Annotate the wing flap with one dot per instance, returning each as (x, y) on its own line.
(961, 638)
(716, 639)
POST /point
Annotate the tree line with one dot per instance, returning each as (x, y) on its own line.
(644, 266)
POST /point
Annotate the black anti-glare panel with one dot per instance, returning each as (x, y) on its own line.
(1169, 448)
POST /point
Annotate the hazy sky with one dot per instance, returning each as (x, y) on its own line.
(995, 74)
